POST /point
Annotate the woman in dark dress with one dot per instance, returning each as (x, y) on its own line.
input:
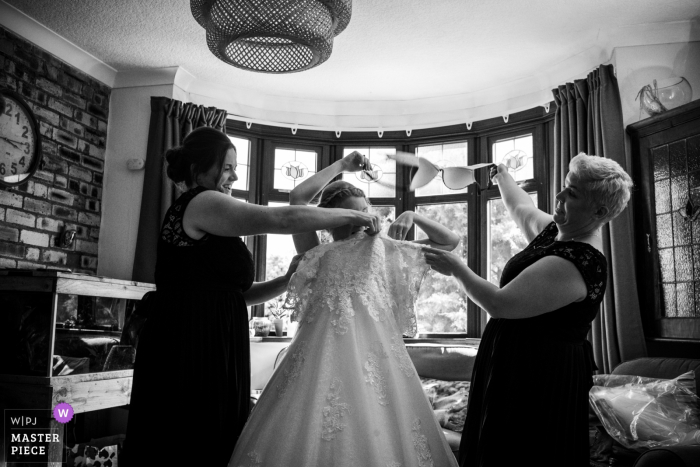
(528, 402)
(191, 390)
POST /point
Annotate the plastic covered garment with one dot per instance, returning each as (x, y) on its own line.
(643, 413)
(346, 392)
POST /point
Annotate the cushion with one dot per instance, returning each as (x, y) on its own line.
(95, 348)
(443, 362)
(63, 365)
(679, 456)
(659, 367)
(642, 413)
(449, 401)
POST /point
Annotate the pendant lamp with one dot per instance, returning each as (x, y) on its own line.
(272, 36)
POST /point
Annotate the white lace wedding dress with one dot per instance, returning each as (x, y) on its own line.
(346, 393)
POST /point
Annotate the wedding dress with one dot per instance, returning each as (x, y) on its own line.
(346, 392)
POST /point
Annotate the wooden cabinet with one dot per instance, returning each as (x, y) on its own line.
(60, 341)
(666, 172)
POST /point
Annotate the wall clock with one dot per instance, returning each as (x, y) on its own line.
(20, 142)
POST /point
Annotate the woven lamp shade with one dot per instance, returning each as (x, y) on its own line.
(272, 36)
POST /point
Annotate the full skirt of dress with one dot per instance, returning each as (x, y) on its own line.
(346, 392)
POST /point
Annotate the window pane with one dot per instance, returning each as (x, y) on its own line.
(292, 167)
(384, 170)
(516, 153)
(442, 155)
(442, 303)
(280, 251)
(505, 239)
(243, 160)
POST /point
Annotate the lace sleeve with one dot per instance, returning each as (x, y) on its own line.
(302, 285)
(411, 270)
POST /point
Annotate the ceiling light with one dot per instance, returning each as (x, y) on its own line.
(272, 36)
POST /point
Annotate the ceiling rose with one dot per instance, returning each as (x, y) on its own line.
(272, 36)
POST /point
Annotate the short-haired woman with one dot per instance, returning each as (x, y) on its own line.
(529, 392)
(192, 370)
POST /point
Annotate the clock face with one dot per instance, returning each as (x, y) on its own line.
(18, 140)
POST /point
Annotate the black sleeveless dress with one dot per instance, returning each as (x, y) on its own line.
(528, 403)
(191, 387)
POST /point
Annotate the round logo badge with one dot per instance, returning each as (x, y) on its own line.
(63, 413)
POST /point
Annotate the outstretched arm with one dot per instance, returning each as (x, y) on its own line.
(219, 214)
(260, 292)
(439, 236)
(545, 286)
(309, 188)
(522, 210)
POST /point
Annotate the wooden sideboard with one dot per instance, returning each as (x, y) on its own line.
(60, 342)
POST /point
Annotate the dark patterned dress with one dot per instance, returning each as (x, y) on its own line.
(192, 372)
(528, 403)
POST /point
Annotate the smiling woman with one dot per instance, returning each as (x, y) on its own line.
(204, 277)
(542, 311)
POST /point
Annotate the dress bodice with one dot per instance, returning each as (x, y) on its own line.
(211, 262)
(572, 321)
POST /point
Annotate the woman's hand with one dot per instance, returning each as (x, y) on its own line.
(293, 266)
(354, 162)
(442, 261)
(496, 173)
(372, 221)
(400, 227)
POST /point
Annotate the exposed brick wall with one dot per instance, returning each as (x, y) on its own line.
(66, 193)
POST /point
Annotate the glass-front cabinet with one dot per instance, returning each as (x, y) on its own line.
(57, 324)
(64, 338)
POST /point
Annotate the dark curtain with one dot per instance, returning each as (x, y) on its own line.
(589, 119)
(171, 121)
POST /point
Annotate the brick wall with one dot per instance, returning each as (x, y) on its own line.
(66, 192)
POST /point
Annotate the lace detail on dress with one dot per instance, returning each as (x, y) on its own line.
(292, 370)
(398, 348)
(589, 264)
(172, 231)
(334, 412)
(254, 458)
(373, 372)
(377, 274)
(420, 444)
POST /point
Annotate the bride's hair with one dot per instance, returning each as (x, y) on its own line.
(334, 194)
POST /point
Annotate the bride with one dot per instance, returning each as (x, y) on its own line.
(346, 393)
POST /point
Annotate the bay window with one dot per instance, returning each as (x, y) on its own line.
(275, 161)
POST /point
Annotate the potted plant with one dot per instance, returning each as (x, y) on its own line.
(277, 313)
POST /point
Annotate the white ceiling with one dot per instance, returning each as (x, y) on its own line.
(399, 63)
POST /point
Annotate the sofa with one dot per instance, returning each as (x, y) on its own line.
(665, 368)
(445, 362)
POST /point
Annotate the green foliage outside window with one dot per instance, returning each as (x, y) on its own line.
(442, 303)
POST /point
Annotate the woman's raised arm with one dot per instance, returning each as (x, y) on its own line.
(522, 210)
(439, 236)
(309, 188)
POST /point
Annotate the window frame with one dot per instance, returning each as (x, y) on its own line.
(401, 179)
(539, 122)
(539, 184)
